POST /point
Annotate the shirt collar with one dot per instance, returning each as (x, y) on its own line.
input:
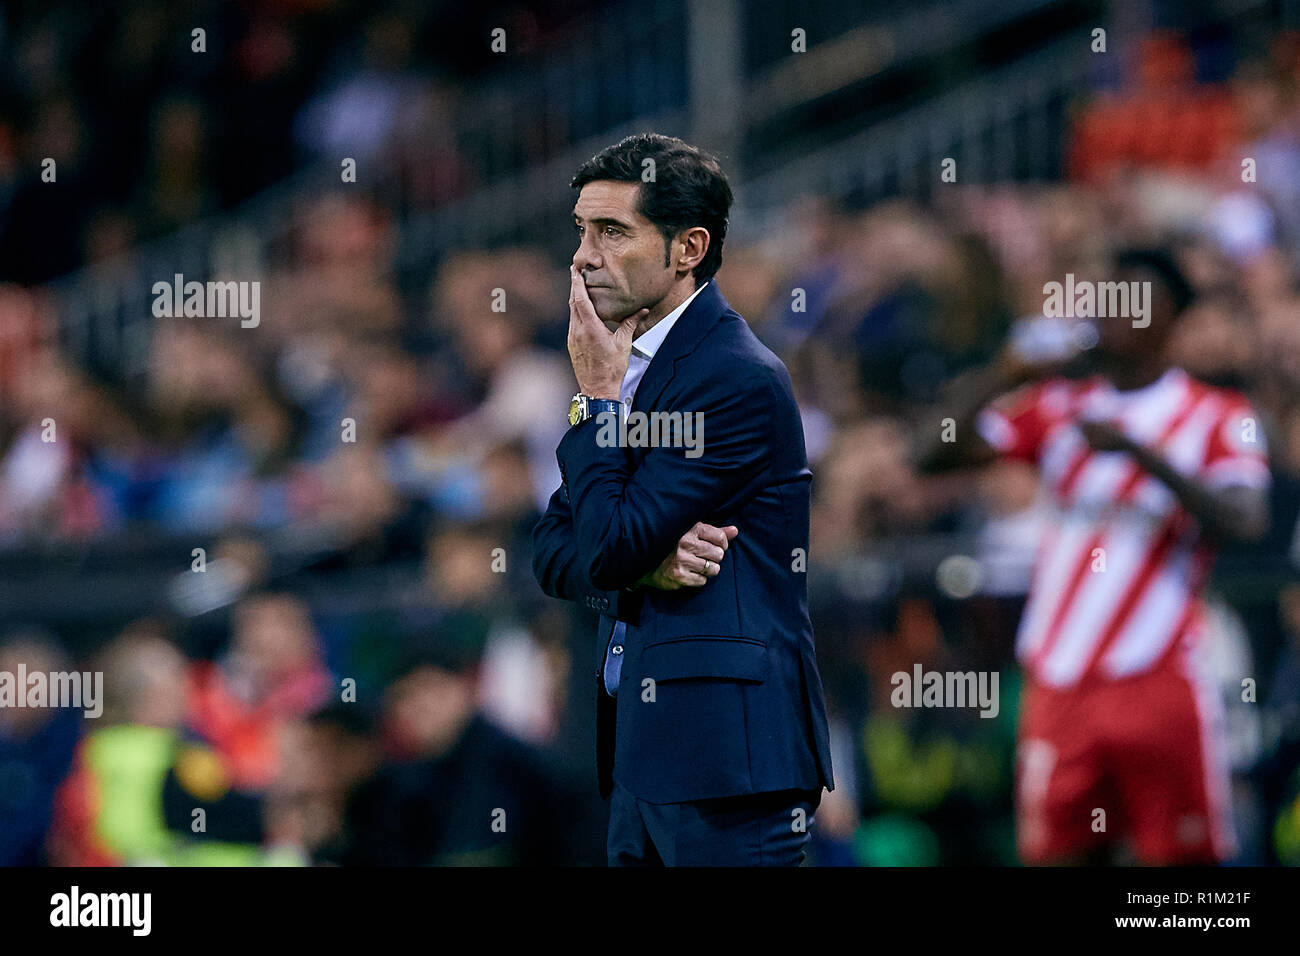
(1172, 377)
(647, 344)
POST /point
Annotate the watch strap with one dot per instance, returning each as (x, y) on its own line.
(598, 406)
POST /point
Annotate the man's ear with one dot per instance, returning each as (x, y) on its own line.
(695, 245)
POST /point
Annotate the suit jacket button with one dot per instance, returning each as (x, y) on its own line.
(616, 649)
(604, 604)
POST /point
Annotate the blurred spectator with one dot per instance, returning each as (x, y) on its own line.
(144, 791)
(462, 792)
(271, 673)
(36, 750)
(1279, 770)
(491, 305)
(325, 757)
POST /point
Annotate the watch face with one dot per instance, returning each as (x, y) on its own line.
(575, 412)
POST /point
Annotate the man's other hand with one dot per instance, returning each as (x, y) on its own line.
(698, 558)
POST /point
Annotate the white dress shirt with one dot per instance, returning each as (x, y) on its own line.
(646, 345)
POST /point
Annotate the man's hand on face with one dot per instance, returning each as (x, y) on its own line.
(599, 358)
(697, 559)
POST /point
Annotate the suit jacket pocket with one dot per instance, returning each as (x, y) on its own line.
(726, 658)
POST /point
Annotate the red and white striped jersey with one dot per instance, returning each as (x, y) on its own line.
(1118, 579)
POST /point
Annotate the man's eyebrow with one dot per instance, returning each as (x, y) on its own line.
(604, 220)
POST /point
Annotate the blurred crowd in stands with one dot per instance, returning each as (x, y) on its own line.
(450, 718)
(153, 127)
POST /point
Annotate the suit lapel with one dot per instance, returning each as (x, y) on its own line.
(690, 327)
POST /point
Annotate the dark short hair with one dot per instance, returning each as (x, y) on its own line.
(1166, 270)
(451, 640)
(689, 189)
(354, 720)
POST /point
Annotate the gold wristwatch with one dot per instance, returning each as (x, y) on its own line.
(582, 407)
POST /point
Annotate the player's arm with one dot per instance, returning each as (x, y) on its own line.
(1234, 513)
(967, 397)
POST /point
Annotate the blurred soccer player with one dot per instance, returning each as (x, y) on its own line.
(1146, 468)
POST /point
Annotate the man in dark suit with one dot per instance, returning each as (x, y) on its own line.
(711, 727)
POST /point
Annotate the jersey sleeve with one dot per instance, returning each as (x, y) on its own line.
(1016, 425)
(1237, 452)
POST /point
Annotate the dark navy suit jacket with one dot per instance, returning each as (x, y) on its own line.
(736, 704)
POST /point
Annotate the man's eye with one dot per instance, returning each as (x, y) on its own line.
(612, 231)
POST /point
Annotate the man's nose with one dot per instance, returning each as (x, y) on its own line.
(585, 258)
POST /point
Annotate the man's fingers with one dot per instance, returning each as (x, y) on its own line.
(579, 301)
(714, 536)
(693, 568)
(577, 291)
(626, 329)
(686, 577)
(701, 549)
(698, 564)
